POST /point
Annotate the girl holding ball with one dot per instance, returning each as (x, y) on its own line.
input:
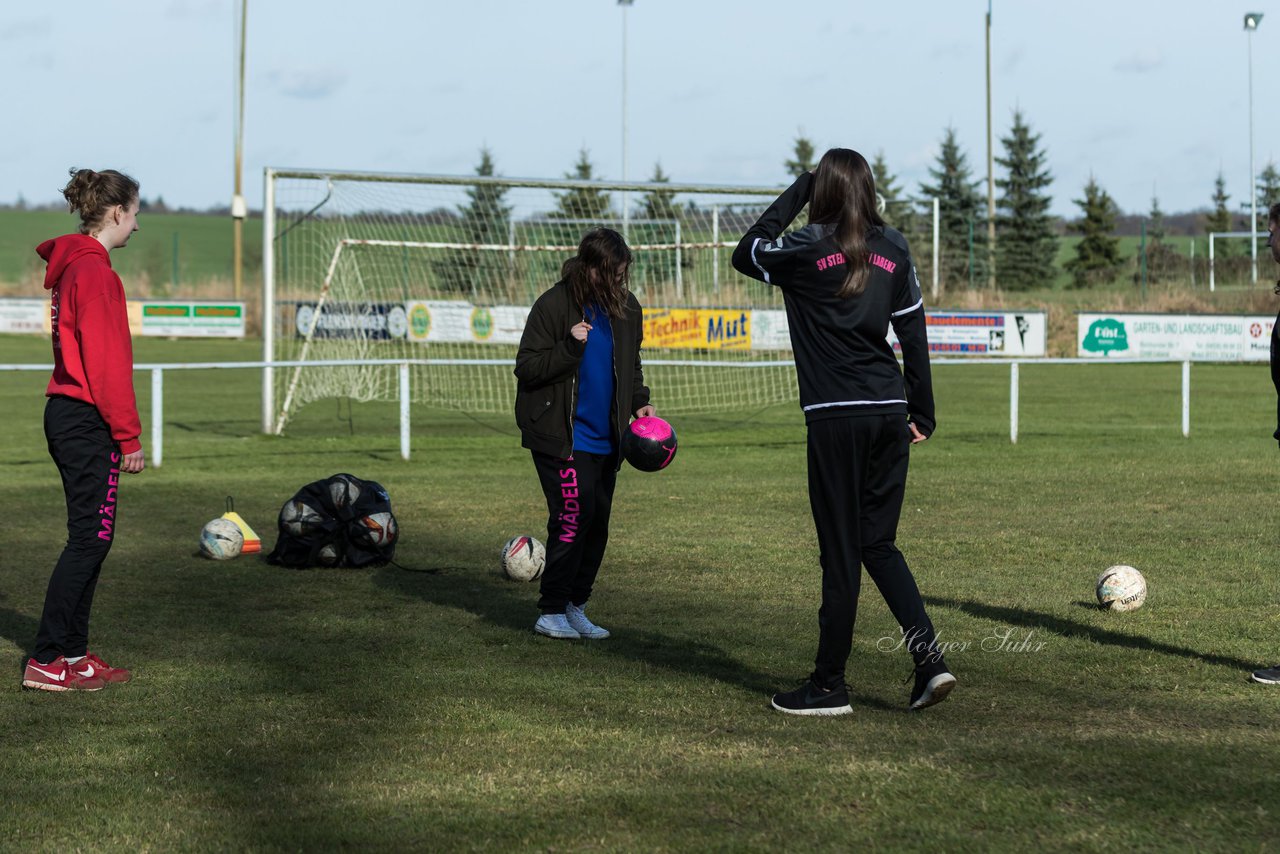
(580, 383)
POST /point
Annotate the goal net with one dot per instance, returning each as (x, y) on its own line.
(440, 272)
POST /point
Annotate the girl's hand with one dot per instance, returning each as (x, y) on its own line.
(133, 463)
(646, 411)
(580, 330)
(916, 436)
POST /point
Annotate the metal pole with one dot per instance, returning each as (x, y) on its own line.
(268, 295)
(238, 208)
(679, 265)
(1211, 262)
(1253, 191)
(1186, 398)
(715, 248)
(1013, 402)
(626, 215)
(404, 411)
(157, 417)
(937, 248)
(991, 180)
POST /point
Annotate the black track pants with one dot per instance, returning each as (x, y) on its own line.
(579, 494)
(89, 462)
(857, 476)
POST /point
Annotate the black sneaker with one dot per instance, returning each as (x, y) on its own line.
(933, 683)
(809, 699)
(1270, 676)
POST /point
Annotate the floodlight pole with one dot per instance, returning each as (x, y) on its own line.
(238, 208)
(1251, 21)
(991, 180)
(626, 214)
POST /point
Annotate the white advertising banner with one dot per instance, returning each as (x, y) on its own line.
(24, 314)
(438, 321)
(192, 319)
(1189, 337)
(973, 333)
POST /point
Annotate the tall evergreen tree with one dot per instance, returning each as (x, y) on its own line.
(1163, 261)
(898, 210)
(962, 212)
(484, 219)
(1026, 246)
(1098, 252)
(656, 203)
(1219, 219)
(582, 202)
(1155, 222)
(803, 157)
(1268, 193)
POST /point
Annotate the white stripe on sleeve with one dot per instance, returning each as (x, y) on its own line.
(919, 303)
(762, 270)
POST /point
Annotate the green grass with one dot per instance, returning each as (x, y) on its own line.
(386, 709)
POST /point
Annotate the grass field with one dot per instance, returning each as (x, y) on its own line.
(396, 710)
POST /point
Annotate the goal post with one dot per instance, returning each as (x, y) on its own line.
(439, 272)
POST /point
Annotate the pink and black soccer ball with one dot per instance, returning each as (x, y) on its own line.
(649, 443)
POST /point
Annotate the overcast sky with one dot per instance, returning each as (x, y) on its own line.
(1146, 95)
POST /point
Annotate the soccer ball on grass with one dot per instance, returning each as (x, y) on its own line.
(1121, 588)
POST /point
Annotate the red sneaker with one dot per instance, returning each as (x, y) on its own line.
(91, 665)
(58, 676)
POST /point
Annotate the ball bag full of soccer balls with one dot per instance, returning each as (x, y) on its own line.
(339, 521)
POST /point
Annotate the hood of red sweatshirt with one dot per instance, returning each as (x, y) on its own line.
(61, 251)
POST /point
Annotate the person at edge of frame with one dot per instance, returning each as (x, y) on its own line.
(1271, 675)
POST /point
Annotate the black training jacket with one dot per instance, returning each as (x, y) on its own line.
(547, 370)
(844, 364)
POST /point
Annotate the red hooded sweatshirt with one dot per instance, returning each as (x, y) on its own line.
(92, 349)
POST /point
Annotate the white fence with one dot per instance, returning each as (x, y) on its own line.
(158, 370)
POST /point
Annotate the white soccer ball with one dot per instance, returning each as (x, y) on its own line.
(221, 539)
(1121, 588)
(880, 203)
(380, 529)
(523, 558)
(328, 555)
(343, 492)
(298, 517)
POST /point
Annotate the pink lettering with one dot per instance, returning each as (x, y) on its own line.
(882, 262)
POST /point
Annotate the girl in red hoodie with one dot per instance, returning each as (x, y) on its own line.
(91, 420)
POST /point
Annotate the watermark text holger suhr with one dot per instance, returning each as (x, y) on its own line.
(1000, 639)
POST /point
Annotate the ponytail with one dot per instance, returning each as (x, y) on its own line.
(92, 194)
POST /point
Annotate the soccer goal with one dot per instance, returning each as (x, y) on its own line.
(440, 272)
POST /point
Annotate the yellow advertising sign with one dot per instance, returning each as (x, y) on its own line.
(697, 328)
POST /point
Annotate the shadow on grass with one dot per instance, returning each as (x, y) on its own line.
(19, 629)
(1071, 629)
(513, 609)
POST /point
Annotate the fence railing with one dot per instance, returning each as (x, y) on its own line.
(158, 370)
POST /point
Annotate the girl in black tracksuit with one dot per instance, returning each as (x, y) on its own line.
(580, 383)
(845, 278)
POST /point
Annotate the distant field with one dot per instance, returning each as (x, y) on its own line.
(203, 248)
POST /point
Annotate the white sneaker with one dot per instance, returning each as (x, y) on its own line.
(555, 626)
(577, 618)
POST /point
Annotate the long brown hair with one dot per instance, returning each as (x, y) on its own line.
(600, 273)
(844, 195)
(94, 193)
